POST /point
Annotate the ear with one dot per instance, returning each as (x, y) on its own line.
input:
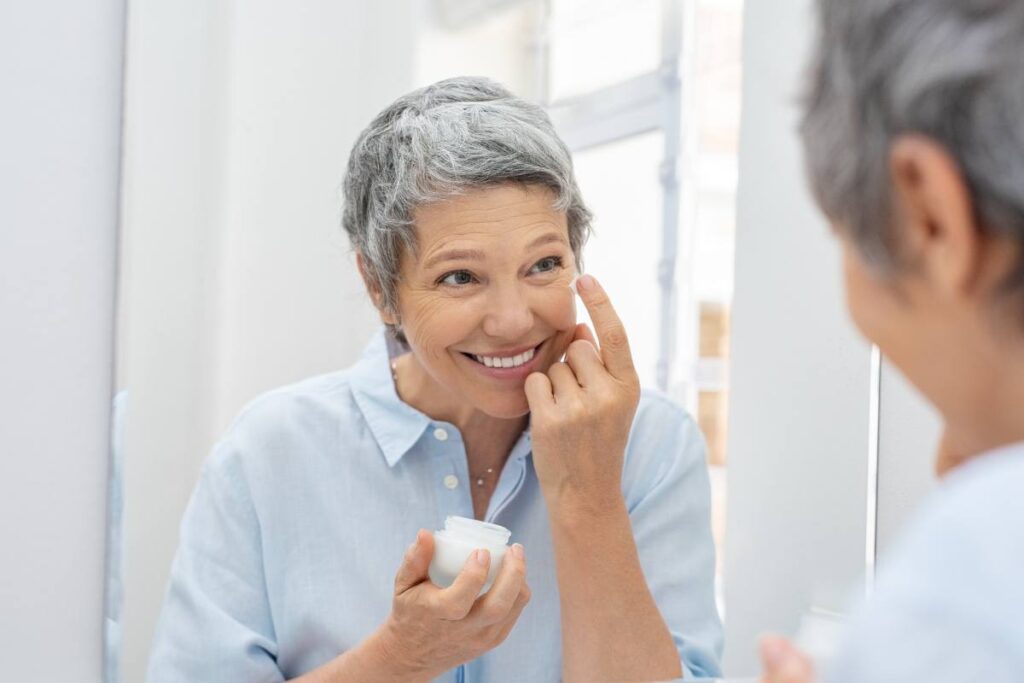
(375, 294)
(933, 203)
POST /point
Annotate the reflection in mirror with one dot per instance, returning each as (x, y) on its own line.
(236, 280)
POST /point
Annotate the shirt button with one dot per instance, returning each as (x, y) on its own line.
(451, 481)
(441, 435)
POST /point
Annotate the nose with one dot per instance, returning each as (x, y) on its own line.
(509, 315)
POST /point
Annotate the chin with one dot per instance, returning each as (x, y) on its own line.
(505, 408)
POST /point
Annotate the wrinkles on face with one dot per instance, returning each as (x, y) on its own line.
(491, 272)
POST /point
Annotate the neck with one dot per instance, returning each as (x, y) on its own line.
(488, 439)
(985, 403)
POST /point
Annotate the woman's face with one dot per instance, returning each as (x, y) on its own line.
(488, 289)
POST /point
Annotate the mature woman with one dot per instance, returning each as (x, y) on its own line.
(468, 227)
(914, 133)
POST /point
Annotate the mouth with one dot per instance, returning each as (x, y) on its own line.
(509, 365)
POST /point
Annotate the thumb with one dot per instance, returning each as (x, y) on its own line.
(415, 562)
(538, 392)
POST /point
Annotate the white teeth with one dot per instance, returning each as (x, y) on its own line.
(510, 362)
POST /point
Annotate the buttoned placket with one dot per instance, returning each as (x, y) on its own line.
(451, 470)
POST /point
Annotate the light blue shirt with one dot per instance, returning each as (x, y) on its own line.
(291, 541)
(949, 603)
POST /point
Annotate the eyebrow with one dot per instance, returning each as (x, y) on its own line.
(477, 255)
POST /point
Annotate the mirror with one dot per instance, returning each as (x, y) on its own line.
(236, 278)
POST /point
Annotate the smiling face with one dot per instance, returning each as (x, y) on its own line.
(485, 301)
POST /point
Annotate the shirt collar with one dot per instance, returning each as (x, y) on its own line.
(395, 424)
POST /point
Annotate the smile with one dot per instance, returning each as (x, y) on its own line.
(507, 367)
(506, 362)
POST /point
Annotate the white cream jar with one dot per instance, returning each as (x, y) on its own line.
(459, 538)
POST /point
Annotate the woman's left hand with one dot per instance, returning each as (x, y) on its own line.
(582, 411)
(783, 662)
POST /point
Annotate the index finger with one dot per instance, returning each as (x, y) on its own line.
(611, 333)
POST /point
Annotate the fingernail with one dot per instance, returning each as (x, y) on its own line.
(518, 551)
(584, 282)
(481, 557)
(572, 283)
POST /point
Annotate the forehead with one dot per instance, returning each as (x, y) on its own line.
(502, 213)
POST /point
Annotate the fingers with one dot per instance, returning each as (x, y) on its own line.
(563, 381)
(455, 601)
(505, 627)
(583, 358)
(539, 394)
(501, 599)
(584, 333)
(610, 332)
(415, 562)
(783, 663)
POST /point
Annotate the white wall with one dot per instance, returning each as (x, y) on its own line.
(176, 104)
(60, 132)
(499, 43)
(908, 431)
(238, 279)
(799, 394)
(304, 81)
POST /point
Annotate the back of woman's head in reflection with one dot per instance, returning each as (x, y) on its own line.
(913, 130)
(950, 70)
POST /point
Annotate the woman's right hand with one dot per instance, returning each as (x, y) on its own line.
(431, 630)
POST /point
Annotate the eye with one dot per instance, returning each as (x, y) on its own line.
(456, 278)
(547, 264)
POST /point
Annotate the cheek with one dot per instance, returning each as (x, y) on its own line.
(556, 310)
(433, 323)
(862, 301)
(556, 307)
(852, 286)
(871, 303)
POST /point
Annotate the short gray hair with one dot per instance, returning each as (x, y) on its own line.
(951, 70)
(438, 142)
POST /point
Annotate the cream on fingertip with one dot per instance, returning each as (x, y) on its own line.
(572, 284)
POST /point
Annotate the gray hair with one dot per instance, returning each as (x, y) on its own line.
(438, 142)
(951, 70)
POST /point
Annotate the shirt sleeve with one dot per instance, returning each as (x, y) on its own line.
(215, 624)
(946, 605)
(668, 494)
(908, 643)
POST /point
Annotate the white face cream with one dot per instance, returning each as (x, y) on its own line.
(459, 538)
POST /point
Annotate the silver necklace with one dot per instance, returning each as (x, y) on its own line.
(481, 479)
